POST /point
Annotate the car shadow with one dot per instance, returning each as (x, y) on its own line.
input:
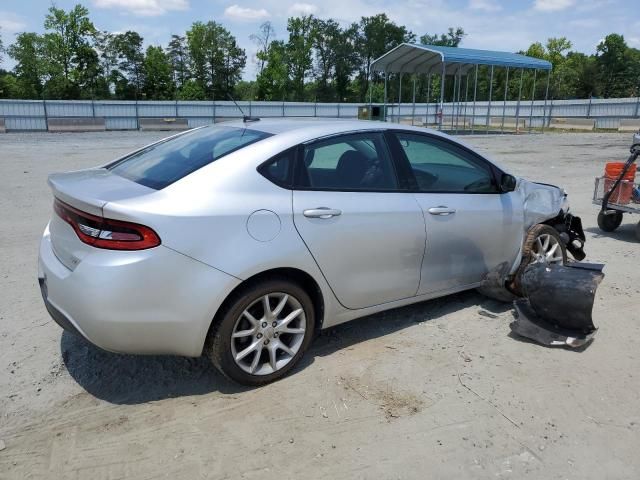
(390, 321)
(625, 232)
(134, 379)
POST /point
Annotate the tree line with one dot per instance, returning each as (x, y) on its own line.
(319, 60)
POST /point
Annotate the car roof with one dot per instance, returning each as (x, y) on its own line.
(288, 132)
(312, 128)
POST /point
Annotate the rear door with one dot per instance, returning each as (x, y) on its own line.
(366, 232)
(472, 228)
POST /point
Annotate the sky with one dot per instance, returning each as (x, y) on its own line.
(508, 25)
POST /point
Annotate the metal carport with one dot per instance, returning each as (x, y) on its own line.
(415, 59)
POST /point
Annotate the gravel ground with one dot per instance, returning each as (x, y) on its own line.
(434, 390)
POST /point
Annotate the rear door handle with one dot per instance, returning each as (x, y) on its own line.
(322, 212)
(441, 210)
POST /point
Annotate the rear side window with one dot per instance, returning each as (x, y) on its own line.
(278, 169)
(160, 165)
(348, 163)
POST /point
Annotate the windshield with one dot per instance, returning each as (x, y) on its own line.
(166, 162)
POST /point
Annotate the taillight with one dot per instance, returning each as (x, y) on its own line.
(104, 232)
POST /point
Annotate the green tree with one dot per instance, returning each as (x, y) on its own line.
(9, 87)
(263, 39)
(71, 63)
(244, 90)
(130, 80)
(336, 59)
(216, 59)
(158, 76)
(108, 54)
(2, 50)
(452, 38)
(179, 57)
(299, 51)
(618, 67)
(27, 53)
(377, 35)
(191, 90)
(273, 81)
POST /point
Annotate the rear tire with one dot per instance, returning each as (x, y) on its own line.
(638, 231)
(255, 346)
(608, 223)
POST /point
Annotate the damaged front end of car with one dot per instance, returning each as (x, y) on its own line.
(553, 298)
(543, 204)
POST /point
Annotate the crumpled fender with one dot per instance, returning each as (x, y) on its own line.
(541, 202)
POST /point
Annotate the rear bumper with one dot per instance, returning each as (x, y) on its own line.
(154, 301)
(57, 316)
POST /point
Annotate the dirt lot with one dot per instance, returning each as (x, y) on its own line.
(435, 390)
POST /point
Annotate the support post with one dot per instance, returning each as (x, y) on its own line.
(137, 117)
(399, 98)
(413, 109)
(426, 117)
(519, 98)
(589, 106)
(46, 114)
(444, 66)
(533, 97)
(370, 99)
(93, 108)
(637, 104)
(453, 98)
(214, 109)
(475, 92)
(176, 105)
(504, 102)
(489, 105)
(384, 108)
(546, 95)
(466, 100)
(458, 103)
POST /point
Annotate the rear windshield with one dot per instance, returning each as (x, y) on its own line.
(162, 164)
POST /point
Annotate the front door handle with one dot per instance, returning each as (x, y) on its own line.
(441, 210)
(321, 212)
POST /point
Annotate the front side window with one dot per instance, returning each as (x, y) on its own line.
(439, 166)
(159, 165)
(348, 162)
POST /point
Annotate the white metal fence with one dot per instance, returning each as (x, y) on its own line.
(33, 115)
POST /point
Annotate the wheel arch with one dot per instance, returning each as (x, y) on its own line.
(300, 277)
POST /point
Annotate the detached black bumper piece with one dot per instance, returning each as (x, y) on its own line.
(558, 304)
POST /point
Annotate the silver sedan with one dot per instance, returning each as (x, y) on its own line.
(242, 240)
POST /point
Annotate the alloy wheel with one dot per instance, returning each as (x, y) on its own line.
(547, 249)
(268, 333)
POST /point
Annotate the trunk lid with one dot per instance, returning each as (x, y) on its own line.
(88, 191)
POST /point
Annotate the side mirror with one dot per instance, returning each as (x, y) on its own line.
(507, 183)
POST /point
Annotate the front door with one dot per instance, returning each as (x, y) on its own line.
(472, 228)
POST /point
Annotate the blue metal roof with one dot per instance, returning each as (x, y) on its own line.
(415, 58)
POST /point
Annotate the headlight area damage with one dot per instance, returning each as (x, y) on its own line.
(548, 204)
(553, 297)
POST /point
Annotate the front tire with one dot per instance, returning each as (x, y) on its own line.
(541, 245)
(262, 332)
